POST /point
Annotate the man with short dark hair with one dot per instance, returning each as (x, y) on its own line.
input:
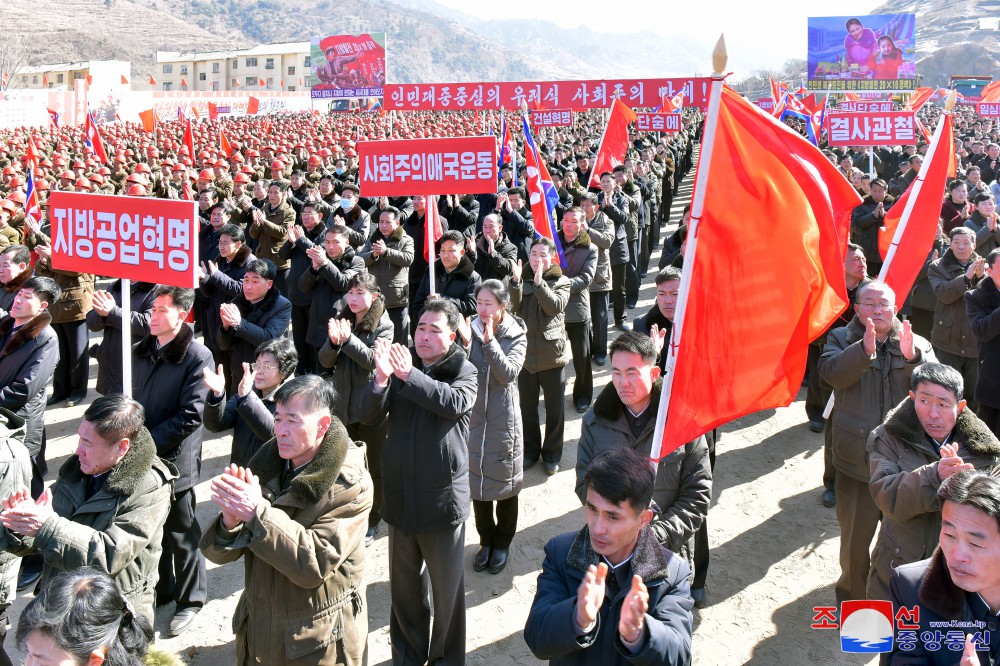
(581, 265)
(270, 228)
(959, 585)
(455, 276)
(15, 269)
(615, 206)
(167, 371)
(258, 314)
(107, 508)
(297, 514)
(867, 219)
(352, 216)
(428, 393)
(928, 438)
(624, 416)
(300, 240)
(388, 255)
(658, 323)
(610, 593)
(611, 252)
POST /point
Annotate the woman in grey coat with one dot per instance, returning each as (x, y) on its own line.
(496, 342)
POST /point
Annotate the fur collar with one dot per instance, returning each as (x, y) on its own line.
(175, 351)
(609, 406)
(27, 332)
(949, 260)
(265, 304)
(124, 477)
(937, 590)
(464, 270)
(371, 318)
(886, 202)
(446, 370)
(902, 422)
(14, 285)
(654, 316)
(582, 239)
(991, 295)
(319, 475)
(394, 237)
(343, 262)
(856, 331)
(554, 273)
(239, 259)
(648, 560)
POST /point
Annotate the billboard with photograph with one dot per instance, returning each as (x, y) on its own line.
(346, 66)
(865, 53)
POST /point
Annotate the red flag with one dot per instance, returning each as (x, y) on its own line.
(186, 192)
(184, 82)
(189, 137)
(541, 192)
(785, 188)
(911, 226)
(253, 106)
(148, 118)
(213, 111)
(851, 97)
(224, 145)
(93, 138)
(261, 82)
(991, 93)
(31, 154)
(194, 111)
(4, 79)
(918, 98)
(266, 125)
(124, 80)
(236, 83)
(152, 81)
(45, 80)
(614, 143)
(434, 231)
(90, 80)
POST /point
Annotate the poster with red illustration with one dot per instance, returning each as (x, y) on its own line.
(347, 66)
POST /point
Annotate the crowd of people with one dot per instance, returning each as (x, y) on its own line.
(358, 395)
(361, 396)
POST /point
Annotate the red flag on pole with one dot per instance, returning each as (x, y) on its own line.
(920, 96)
(261, 83)
(184, 82)
(93, 139)
(991, 93)
(189, 137)
(614, 142)
(224, 145)
(148, 118)
(213, 111)
(90, 80)
(45, 80)
(911, 224)
(124, 80)
(31, 154)
(785, 188)
(433, 232)
(253, 106)
(152, 81)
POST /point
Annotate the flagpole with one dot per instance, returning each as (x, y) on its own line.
(590, 174)
(431, 200)
(719, 58)
(917, 184)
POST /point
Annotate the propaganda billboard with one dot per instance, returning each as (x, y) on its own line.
(347, 66)
(874, 53)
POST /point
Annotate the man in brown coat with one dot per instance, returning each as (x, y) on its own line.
(297, 515)
(868, 363)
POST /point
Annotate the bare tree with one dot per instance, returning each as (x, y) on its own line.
(13, 57)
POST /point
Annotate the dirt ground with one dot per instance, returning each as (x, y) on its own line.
(773, 547)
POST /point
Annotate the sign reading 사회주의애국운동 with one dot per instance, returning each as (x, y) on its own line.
(134, 238)
(511, 96)
(347, 66)
(658, 122)
(428, 166)
(871, 129)
(874, 53)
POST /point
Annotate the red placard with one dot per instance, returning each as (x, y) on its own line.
(552, 118)
(989, 109)
(136, 238)
(453, 165)
(871, 129)
(865, 107)
(556, 94)
(658, 122)
(765, 103)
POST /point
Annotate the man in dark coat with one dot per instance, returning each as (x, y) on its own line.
(300, 240)
(333, 266)
(15, 270)
(257, 315)
(493, 254)
(106, 317)
(351, 215)
(426, 500)
(958, 586)
(106, 510)
(388, 255)
(661, 315)
(982, 306)
(615, 206)
(866, 220)
(167, 379)
(611, 594)
(455, 276)
(580, 268)
(415, 226)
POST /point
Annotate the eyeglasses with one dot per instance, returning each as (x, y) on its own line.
(882, 305)
(257, 367)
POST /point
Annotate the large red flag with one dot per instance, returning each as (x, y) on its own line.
(253, 106)
(213, 111)
(918, 98)
(189, 137)
(784, 188)
(990, 93)
(148, 118)
(920, 207)
(614, 143)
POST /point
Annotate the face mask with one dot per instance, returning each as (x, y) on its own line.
(339, 170)
(347, 204)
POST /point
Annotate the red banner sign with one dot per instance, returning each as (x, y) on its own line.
(136, 238)
(456, 165)
(658, 122)
(871, 129)
(553, 118)
(765, 103)
(558, 94)
(865, 107)
(989, 109)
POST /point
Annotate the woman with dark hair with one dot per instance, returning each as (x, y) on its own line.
(251, 411)
(80, 619)
(496, 340)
